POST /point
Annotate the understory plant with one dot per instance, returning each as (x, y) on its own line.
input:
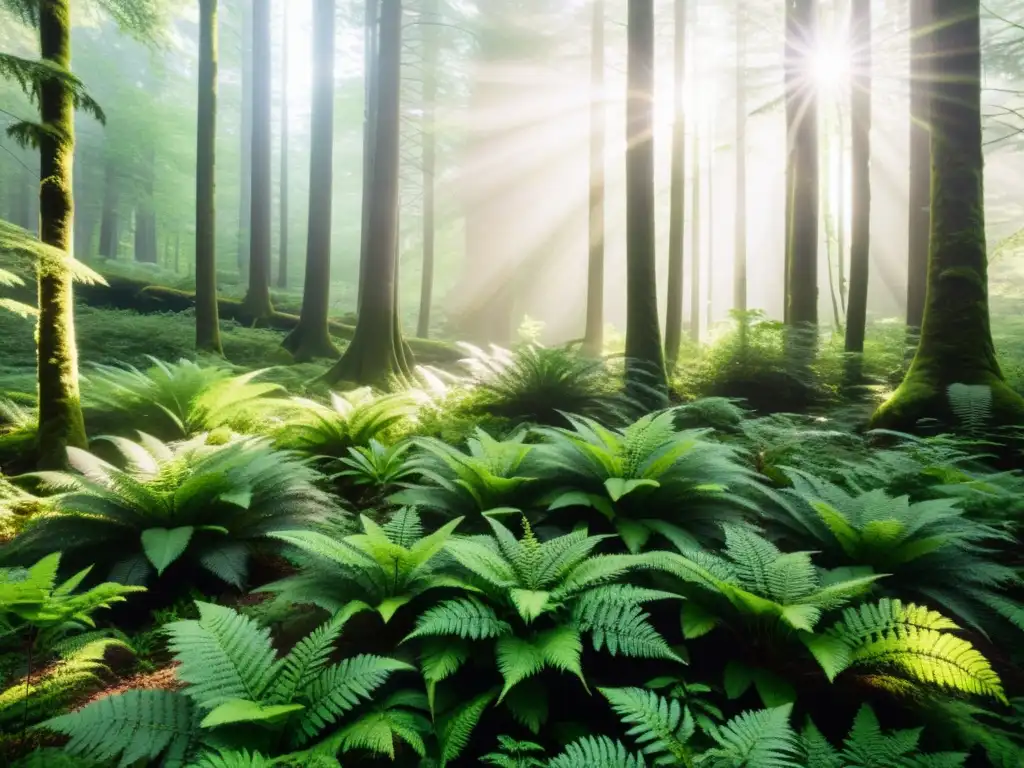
(646, 479)
(239, 695)
(534, 605)
(185, 504)
(184, 398)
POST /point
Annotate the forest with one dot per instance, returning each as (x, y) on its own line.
(538, 383)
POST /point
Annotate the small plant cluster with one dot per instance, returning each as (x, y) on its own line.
(594, 586)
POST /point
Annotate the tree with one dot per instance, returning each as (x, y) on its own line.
(920, 160)
(593, 337)
(428, 20)
(145, 213)
(377, 350)
(860, 121)
(645, 364)
(311, 339)
(282, 249)
(371, 53)
(956, 339)
(245, 135)
(109, 221)
(739, 280)
(207, 321)
(257, 298)
(802, 166)
(677, 192)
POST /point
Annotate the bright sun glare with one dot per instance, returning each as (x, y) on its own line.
(830, 68)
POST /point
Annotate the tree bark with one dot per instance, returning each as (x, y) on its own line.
(377, 351)
(207, 319)
(860, 121)
(371, 49)
(60, 412)
(245, 131)
(802, 170)
(108, 224)
(430, 55)
(921, 48)
(645, 363)
(257, 299)
(677, 193)
(593, 337)
(282, 249)
(145, 215)
(311, 339)
(956, 339)
(739, 279)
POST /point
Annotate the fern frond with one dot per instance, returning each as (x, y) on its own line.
(597, 752)
(661, 726)
(760, 739)
(466, 618)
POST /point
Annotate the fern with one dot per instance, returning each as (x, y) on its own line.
(515, 754)
(597, 752)
(972, 406)
(867, 746)
(200, 504)
(663, 727)
(761, 739)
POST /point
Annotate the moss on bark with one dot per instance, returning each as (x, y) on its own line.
(956, 339)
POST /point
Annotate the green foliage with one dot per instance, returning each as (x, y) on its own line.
(867, 746)
(483, 478)
(378, 466)
(233, 678)
(931, 550)
(538, 385)
(384, 566)
(189, 398)
(642, 477)
(201, 504)
(515, 754)
(353, 419)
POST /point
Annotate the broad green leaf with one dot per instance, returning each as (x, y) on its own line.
(773, 690)
(245, 711)
(697, 621)
(241, 497)
(737, 679)
(389, 605)
(618, 487)
(530, 603)
(163, 546)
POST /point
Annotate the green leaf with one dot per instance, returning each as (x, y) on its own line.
(571, 499)
(634, 535)
(773, 690)
(697, 621)
(245, 711)
(737, 679)
(240, 497)
(618, 487)
(389, 605)
(163, 546)
(530, 603)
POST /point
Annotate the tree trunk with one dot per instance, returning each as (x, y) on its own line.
(860, 121)
(282, 249)
(377, 350)
(430, 53)
(645, 363)
(696, 242)
(956, 339)
(802, 171)
(245, 162)
(593, 337)
(108, 224)
(841, 220)
(739, 278)
(710, 303)
(677, 192)
(60, 412)
(207, 321)
(311, 339)
(145, 215)
(371, 49)
(921, 48)
(257, 299)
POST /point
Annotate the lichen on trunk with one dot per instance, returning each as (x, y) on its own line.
(956, 339)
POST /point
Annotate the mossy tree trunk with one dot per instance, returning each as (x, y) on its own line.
(108, 222)
(282, 248)
(677, 193)
(257, 298)
(60, 412)
(593, 336)
(802, 166)
(429, 21)
(377, 350)
(645, 363)
(311, 338)
(860, 122)
(245, 136)
(956, 339)
(739, 276)
(921, 32)
(207, 320)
